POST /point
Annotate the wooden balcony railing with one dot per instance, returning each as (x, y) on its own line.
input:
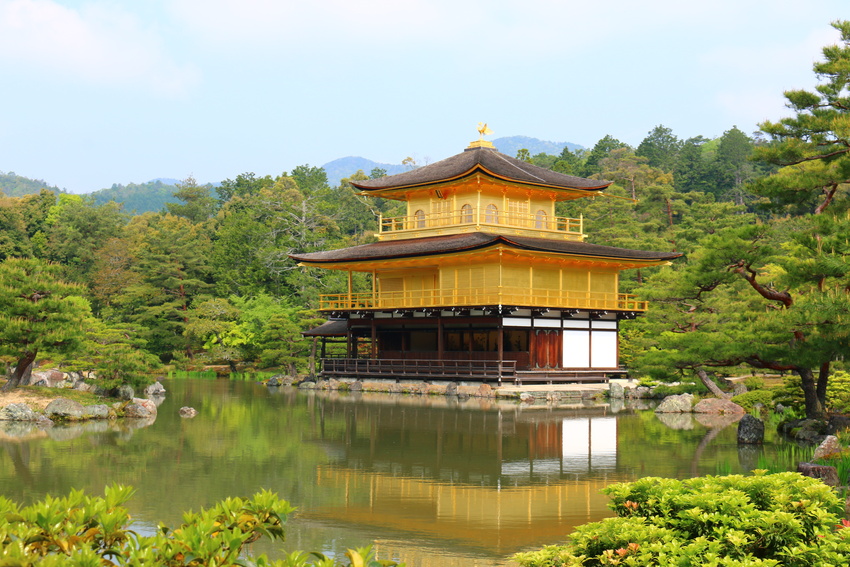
(481, 297)
(419, 369)
(480, 219)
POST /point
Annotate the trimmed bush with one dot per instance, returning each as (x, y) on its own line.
(750, 399)
(782, 519)
(664, 390)
(838, 392)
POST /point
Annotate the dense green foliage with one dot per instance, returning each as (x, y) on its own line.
(761, 223)
(766, 520)
(84, 531)
(207, 281)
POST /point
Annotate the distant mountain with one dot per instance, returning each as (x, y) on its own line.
(166, 180)
(341, 168)
(13, 185)
(510, 145)
(152, 196)
(138, 198)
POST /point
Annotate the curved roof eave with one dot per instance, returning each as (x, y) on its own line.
(486, 160)
(471, 171)
(454, 244)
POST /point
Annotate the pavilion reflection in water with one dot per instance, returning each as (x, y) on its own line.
(588, 446)
(494, 481)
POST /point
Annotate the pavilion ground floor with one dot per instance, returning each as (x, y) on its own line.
(489, 344)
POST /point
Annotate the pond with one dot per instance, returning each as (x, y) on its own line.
(432, 481)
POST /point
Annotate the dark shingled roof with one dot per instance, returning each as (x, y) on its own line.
(436, 245)
(472, 159)
(330, 328)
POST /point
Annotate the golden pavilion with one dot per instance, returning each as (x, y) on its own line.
(480, 280)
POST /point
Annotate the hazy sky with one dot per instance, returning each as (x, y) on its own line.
(100, 92)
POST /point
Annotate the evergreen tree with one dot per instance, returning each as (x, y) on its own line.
(599, 152)
(76, 228)
(172, 271)
(38, 313)
(660, 148)
(197, 205)
(774, 295)
(692, 171)
(815, 141)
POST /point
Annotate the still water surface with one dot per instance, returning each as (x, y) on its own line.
(432, 481)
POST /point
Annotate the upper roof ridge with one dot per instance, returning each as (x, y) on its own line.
(486, 159)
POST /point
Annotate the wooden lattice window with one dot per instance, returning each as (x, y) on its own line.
(517, 207)
(440, 212)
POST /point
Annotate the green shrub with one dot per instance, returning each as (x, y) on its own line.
(82, 531)
(663, 390)
(754, 382)
(750, 399)
(838, 392)
(790, 394)
(762, 520)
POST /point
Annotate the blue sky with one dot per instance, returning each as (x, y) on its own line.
(101, 92)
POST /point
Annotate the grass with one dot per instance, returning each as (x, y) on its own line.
(841, 462)
(785, 458)
(39, 396)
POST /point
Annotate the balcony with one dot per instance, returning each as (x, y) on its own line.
(472, 219)
(420, 369)
(446, 299)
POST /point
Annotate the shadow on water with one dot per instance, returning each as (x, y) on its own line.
(431, 480)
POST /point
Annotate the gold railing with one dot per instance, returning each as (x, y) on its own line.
(481, 219)
(479, 297)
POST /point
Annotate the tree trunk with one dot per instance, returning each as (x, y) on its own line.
(23, 372)
(814, 406)
(712, 387)
(823, 379)
(313, 357)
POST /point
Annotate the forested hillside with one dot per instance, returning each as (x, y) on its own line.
(762, 223)
(138, 198)
(13, 185)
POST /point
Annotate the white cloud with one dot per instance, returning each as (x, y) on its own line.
(96, 44)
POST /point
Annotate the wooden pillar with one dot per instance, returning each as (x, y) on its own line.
(440, 344)
(532, 347)
(374, 350)
(501, 343)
